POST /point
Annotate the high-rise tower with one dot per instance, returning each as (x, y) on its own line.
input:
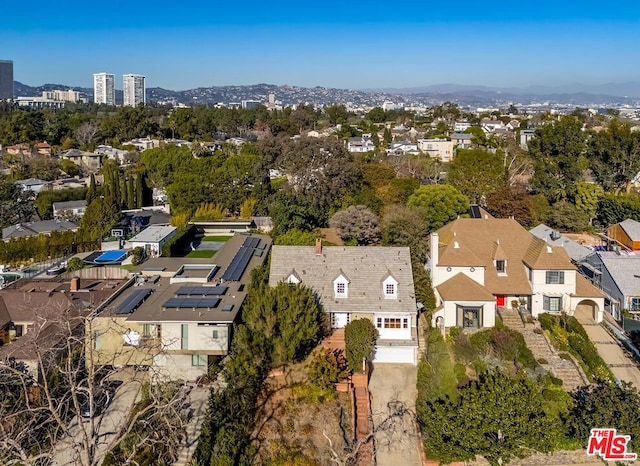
(133, 90)
(6, 80)
(104, 88)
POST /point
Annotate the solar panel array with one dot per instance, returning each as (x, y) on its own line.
(132, 301)
(191, 303)
(201, 290)
(240, 261)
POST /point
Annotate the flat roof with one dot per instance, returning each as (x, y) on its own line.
(154, 309)
(153, 234)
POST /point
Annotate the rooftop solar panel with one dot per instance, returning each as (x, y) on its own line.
(201, 290)
(132, 301)
(238, 264)
(191, 303)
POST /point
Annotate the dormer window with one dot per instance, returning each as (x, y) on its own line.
(341, 286)
(501, 266)
(390, 288)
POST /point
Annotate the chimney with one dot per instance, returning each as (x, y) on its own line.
(318, 247)
(74, 285)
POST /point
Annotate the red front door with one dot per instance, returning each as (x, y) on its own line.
(500, 300)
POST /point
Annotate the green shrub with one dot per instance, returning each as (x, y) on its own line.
(480, 366)
(593, 364)
(327, 368)
(481, 340)
(565, 356)
(542, 361)
(573, 326)
(504, 344)
(547, 321)
(461, 374)
(525, 356)
(359, 339)
(552, 395)
(463, 349)
(74, 264)
(454, 332)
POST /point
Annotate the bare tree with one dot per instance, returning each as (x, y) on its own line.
(397, 428)
(42, 409)
(87, 133)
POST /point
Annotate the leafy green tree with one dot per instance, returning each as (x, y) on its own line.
(74, 264)
(565, 217)
(376, 115)
(44, 201)
(98, 220)
(556, 150)
(336, 113)
(605, 404)
(498, 417)
(295, 237)
(359, 339)
(441, 203)
(15, 205)
(69, 167)
(614, 208)
(328, 368)
(615, 155)
(357, 224)
(476, 173)
(405, 226)
(92, 192)
(436, 377)
(587, 198)
(291, 211)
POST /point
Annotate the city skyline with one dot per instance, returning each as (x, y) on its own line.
(357, 45)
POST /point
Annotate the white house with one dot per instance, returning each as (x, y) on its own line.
(153, 238)
(360, 144)
(363, 282)
(403, 148)
(461, 126)
(479, 265)
(69, 209)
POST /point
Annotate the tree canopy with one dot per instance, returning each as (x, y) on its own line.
(441, 204)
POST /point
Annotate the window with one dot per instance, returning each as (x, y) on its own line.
(552, 303)
(341, 288)
(389, 289)
(554, 277)
(214, 334)
(97, 341)
(184, 341)
(635, 304)
(198, 359)
(149, 331)
(469, 317)
(501, 266)
(392, 323)
(19, 330)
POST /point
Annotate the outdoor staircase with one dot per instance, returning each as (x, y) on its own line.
(335, 340)
(364, 423)
(568, 371)
(197, 412)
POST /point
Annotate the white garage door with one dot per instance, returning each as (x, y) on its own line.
(395, 354)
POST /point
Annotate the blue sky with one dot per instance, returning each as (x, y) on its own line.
(374, 44)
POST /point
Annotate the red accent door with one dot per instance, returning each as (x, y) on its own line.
(500, 300)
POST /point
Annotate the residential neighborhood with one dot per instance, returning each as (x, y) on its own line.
(262, 282)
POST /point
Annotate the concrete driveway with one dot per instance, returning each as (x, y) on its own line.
(106, 426)
(393, 390)
(623, 367)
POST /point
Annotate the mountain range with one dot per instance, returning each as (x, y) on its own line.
(609, 95)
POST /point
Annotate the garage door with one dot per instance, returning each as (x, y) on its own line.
(395, 354)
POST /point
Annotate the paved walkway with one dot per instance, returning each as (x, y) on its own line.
(622, 366)
(198, 401)
(393, 389)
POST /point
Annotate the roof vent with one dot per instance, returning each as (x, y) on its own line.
(456, 245)
(555, 235)
(549, 249)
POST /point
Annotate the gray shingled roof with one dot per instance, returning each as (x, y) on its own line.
(35, 228)
(57, 206)
(632, 228)
(576, 251)
(366, 266)
(624, 269)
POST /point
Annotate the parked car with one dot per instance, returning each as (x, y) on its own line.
(102, 398)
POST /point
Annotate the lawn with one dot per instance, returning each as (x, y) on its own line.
(220, 239)
(201, 254)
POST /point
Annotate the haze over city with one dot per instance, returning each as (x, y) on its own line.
(356, 45)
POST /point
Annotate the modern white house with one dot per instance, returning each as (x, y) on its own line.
(69, 209)
(479, 265)
(153, 238)
(358, 282)
(178, 317)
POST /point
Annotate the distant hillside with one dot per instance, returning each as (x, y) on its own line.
(464, 95)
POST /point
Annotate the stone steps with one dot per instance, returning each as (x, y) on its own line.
(565, 370)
